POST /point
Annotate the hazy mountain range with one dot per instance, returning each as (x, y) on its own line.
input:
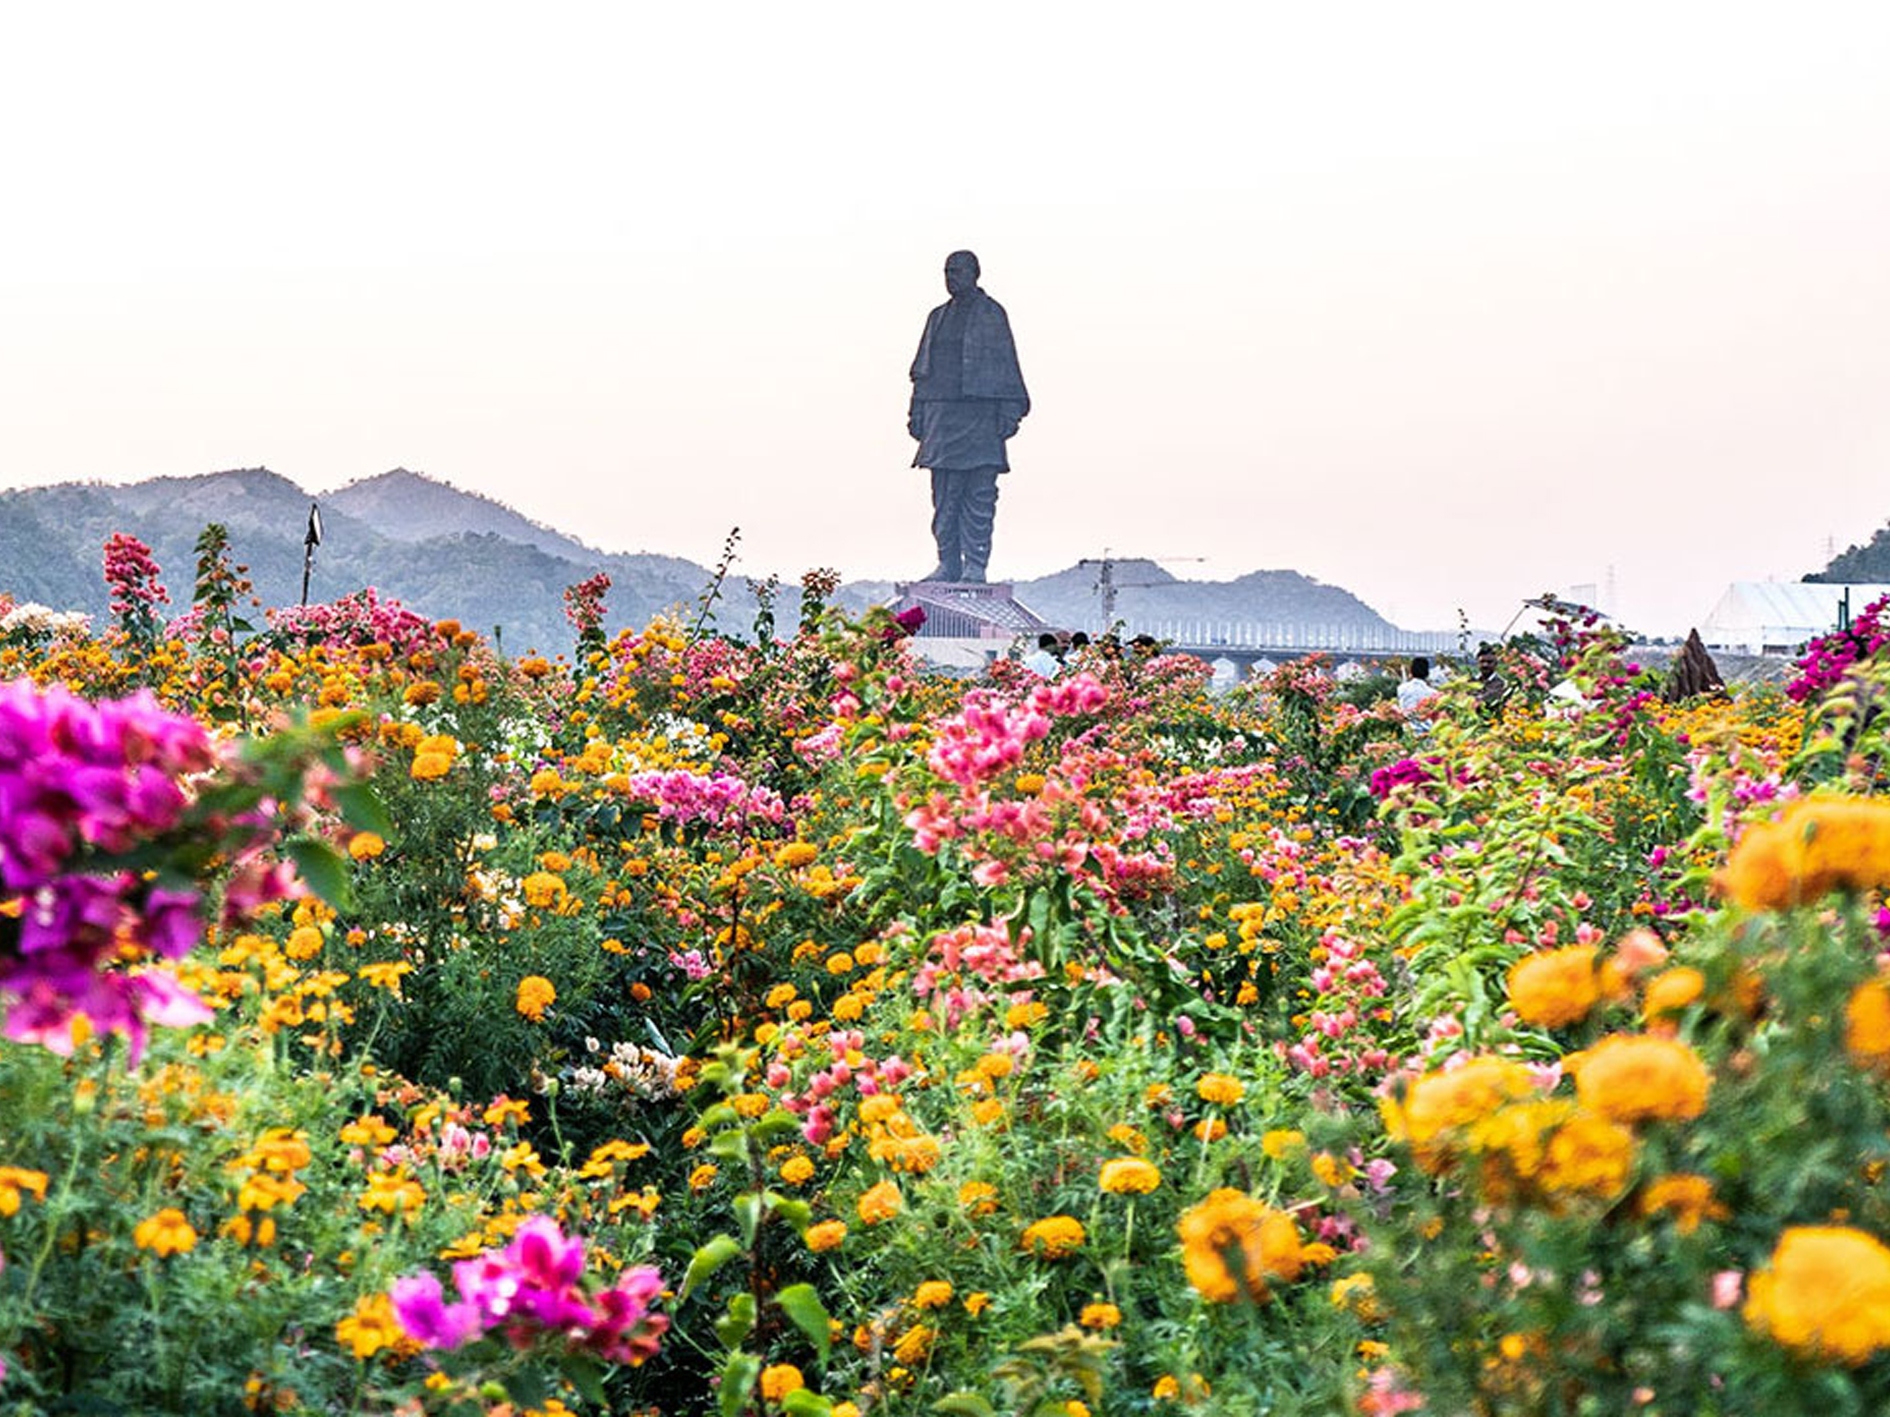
(447, 552)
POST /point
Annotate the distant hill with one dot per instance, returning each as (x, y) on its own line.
(448, 552)
(1148, 594)
(442, 551)
(1868, 564)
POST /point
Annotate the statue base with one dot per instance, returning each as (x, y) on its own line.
(969, 610)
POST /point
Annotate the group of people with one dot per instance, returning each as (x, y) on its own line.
(1054, 652)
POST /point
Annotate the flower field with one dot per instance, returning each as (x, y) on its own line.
(702, 1023)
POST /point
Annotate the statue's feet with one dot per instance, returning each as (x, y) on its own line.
(973, 575)
(942, 572)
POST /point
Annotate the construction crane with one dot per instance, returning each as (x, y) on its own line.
(1107, 585)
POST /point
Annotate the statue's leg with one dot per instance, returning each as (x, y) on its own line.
(976, 518)
(947, 503)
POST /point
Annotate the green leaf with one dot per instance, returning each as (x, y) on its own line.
(361, 808)
(965, 1404)
(707, 1260)
(748, 1215)
(802, 1403)
(775, 1123)
(324, 869)
(527, 1386)
(738, 1380)
(587, 1376)
(735, 1325)
(802, 1304)
(731, 1145)
(794, 1212)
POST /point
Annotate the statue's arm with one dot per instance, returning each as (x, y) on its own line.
(912, 416)
(1010, 413)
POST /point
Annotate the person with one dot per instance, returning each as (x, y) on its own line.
(1042, 661)
(968, 398)
(1418, 687)
(1492, 687)
(1145, 646)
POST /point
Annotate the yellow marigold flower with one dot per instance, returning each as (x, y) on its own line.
(166, 1233)
(703, 1176)
(1231, 1223)
(1554, 987)
(1157, 1094)
(543, 891)
(977, 1197)
(1867, 1023)
(304, 942)
(976, 1304)
(1166, 1389)
(1330, 1170)
(1210, 1129)
(385, 974)
(878, 1107)
(1826, 1292)
(1588, 1154)
(365, 846)
(933, 1294)
(1632, 1078)
(421, 693)
(1820, 844)
(1357, 1293)
(428, 767)
(1100, 1316)
(795, 853)
(749, 1104)
(13, 1180)
(781, 996)
(1441, 1101)
(1689, 1198)
(1281, 1140)
(881, 1202)
(846, 1409)
(1054, 1237)
(370, 1328)
(516, 1110)
(825, 1235)
(367, 1131)
(1026, 1015)
(1128, 1176)
(1671, 991)
(988, 1112)
(1220, 1090)
(546, 782)
(392, 1193)
(997, 1065)
(839, 964)
(1128, 1138)
(914, 1345)
(535, 994)
(780, 1379)
(797, 1170)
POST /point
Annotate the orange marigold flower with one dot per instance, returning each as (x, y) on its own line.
(1826, 1292)
(1867, 1023)
(1554, 987)
(13, 1180)
(881, 1202)
(1672, 990)
(1263, 1241)
(825, 1235)
(1220, 1089)
(978, 1197)
(1054, 1237)
(797, 1170)
(1632, 1078)
(933, 1294)
(780, 1379)
(1129, 1175)
(1442, 1101)
(166, 1233)
(543, 891)
(1281, 1140)
(535, 994)
(365, 846)
(392, 1193)
(1588, 1155)
(1689, 1198)
(1820, 844)
(1100, 1316)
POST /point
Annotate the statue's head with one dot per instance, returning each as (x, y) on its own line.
(961, 272)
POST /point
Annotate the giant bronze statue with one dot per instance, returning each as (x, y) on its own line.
(967, 399)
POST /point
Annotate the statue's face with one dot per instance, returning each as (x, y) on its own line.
(960, 275)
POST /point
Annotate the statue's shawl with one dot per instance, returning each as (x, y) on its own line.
(990, 370)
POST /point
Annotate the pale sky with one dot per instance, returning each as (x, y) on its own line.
(1445, 303)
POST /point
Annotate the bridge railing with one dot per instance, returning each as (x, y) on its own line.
(1293, 637)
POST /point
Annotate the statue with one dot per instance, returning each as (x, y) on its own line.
(967, 400)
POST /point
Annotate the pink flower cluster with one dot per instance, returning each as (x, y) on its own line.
(132, 577)
(78, 778)
(717, 799)
(358, 619)
(848, 1066)
(584, 604)
(1827, 658)
(989, 735)
(1344, 982)
(984, 952)
(530, 1290)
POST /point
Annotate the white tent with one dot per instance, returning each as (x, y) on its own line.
(1776, 617)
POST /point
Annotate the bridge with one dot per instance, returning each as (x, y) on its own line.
(1247, 642)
